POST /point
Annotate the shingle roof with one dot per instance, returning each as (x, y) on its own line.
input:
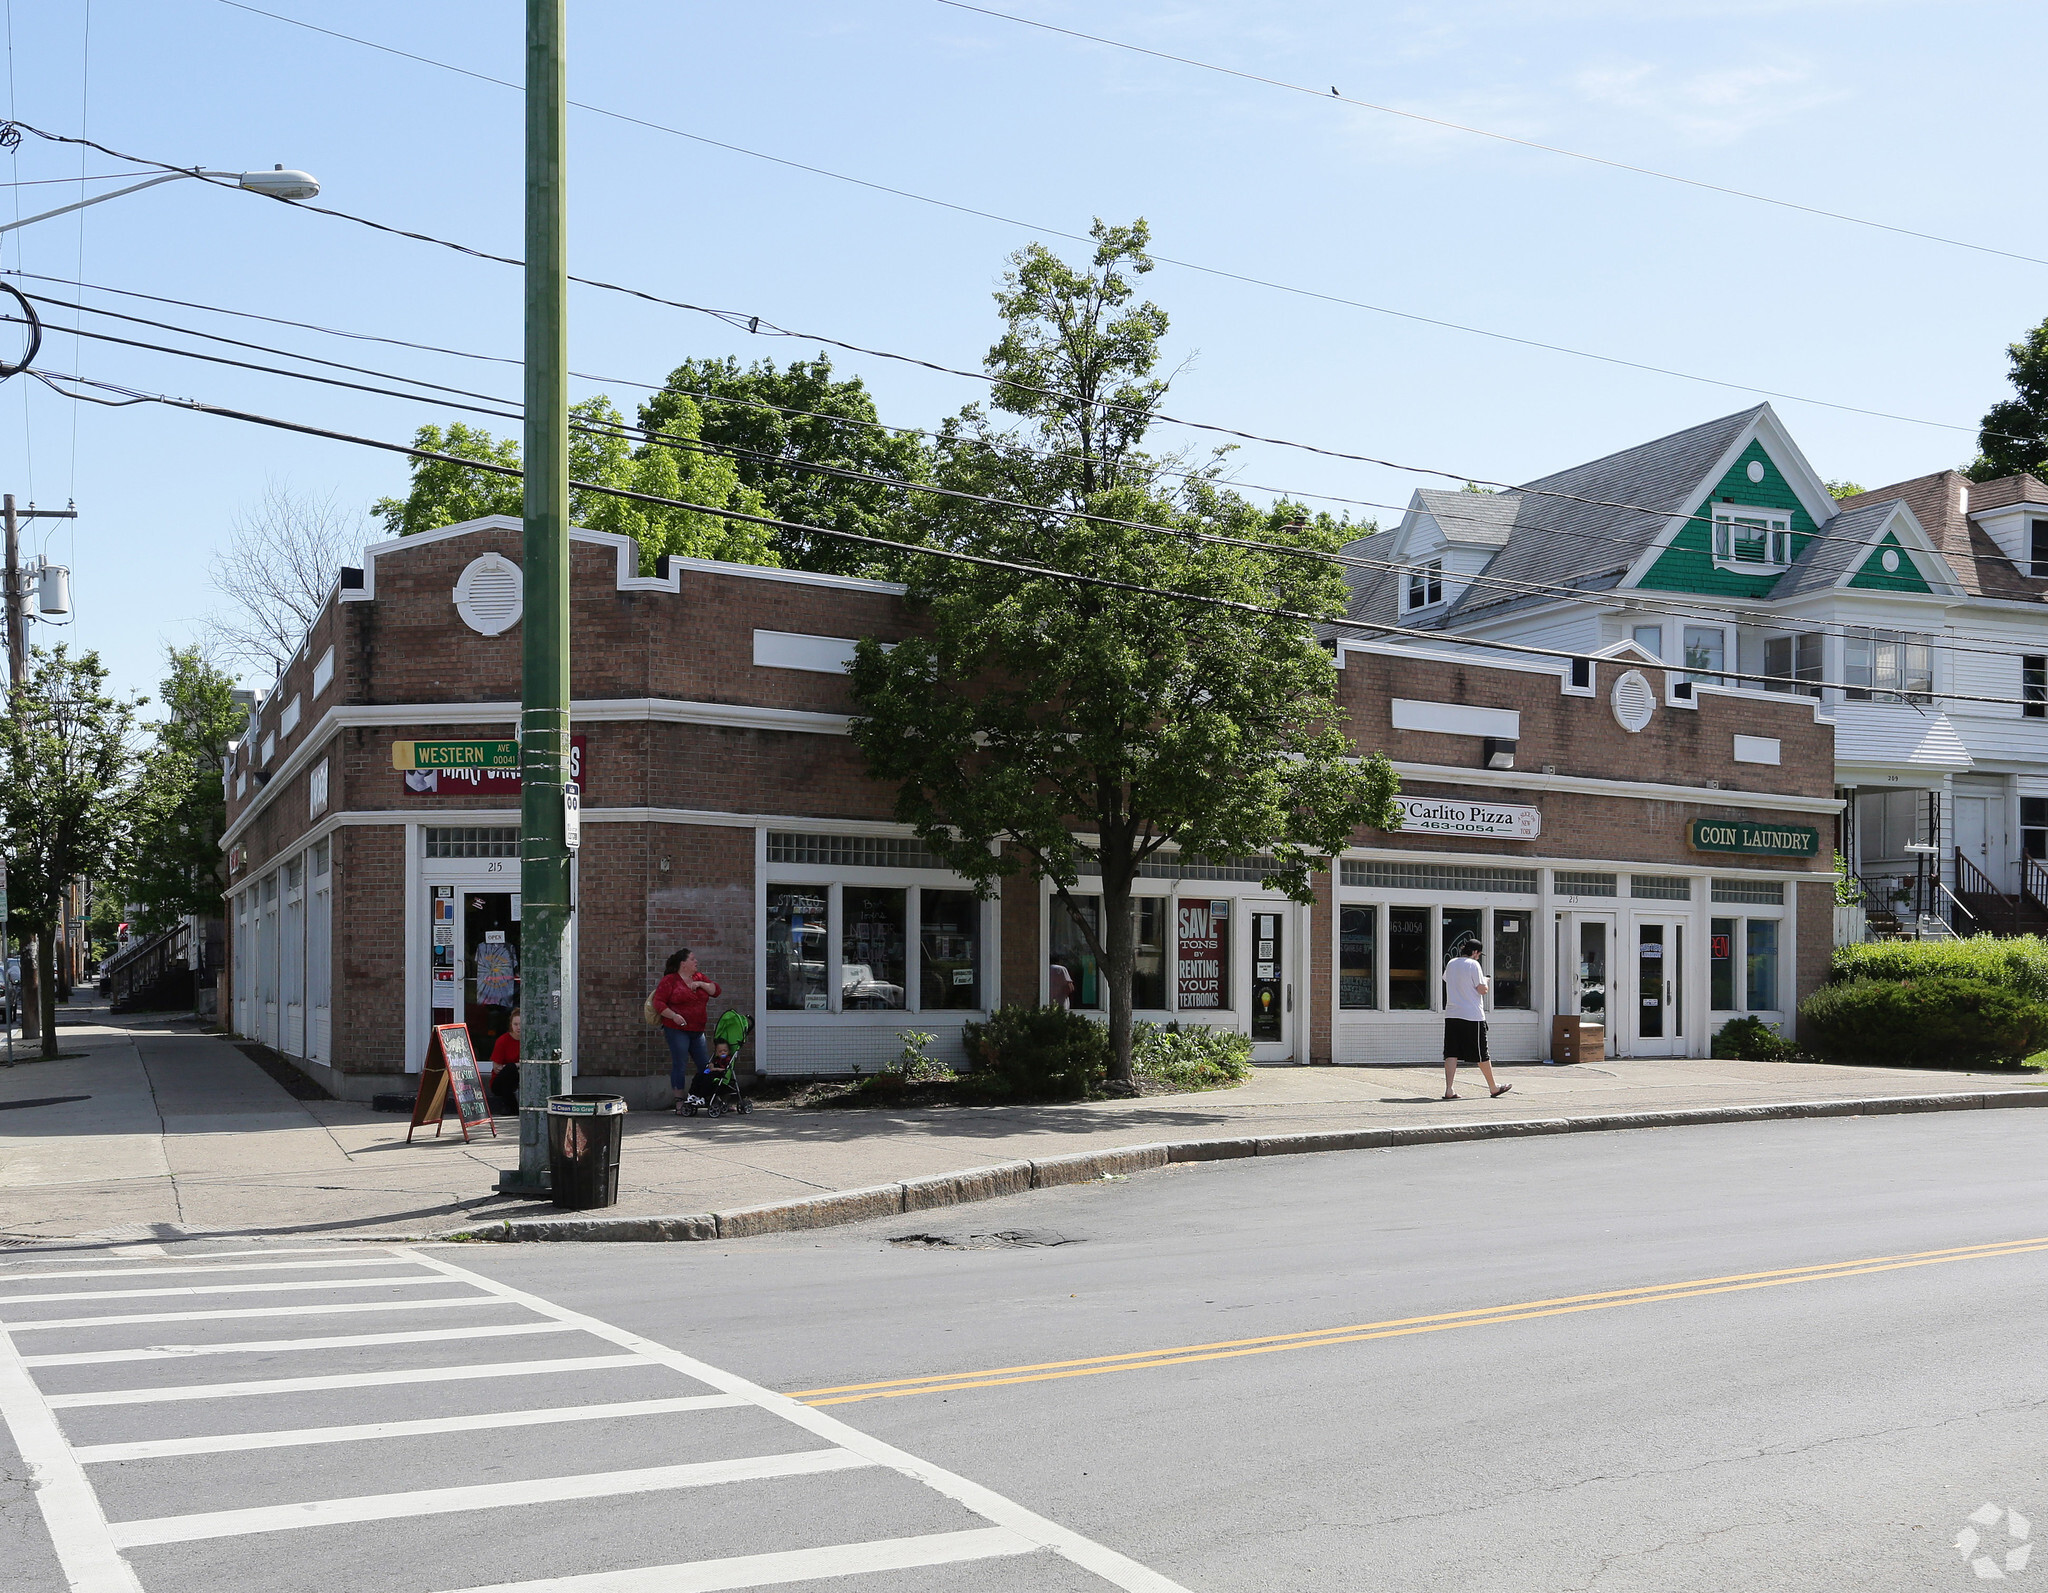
(1374, 590)
(1943, 503)
(1482, 517)
(1825, 559)
(1560, 539)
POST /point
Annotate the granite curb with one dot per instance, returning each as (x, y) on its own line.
(1015, 1177)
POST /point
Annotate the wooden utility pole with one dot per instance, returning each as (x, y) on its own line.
(29, 996)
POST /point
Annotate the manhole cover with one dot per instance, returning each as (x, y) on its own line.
(1007, 1239)
(41, 1100)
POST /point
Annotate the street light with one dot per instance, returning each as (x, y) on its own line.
(277, 183)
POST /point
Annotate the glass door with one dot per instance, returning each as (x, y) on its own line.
(1272, 1023)
(1584, 944)
(490, 972)
(1657, 957)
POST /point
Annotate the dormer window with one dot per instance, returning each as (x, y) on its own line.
(1426, 585)
(1751, 540)
(2037, 537)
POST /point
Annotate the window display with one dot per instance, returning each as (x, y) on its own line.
(949, 950)
(1357, 959)
(796, 948)
(872, 960)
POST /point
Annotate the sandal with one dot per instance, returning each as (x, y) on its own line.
(1453, 1097)
(1502, 1090)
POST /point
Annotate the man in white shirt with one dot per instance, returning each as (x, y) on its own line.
(1465, 987)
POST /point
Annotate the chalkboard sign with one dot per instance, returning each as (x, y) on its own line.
(450, 1067)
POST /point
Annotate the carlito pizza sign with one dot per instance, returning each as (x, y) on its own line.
(1441, 816)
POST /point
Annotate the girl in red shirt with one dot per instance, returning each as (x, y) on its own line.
(680, 1001)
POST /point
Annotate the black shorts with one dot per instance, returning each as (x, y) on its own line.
(1465, 1040)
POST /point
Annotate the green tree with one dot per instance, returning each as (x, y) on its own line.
(1844, 489)
(443, 493)
(2014, 437)
(1028, 708)
(769, 418)
(174, 866)
(67, 794)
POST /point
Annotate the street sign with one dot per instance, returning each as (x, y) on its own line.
(490, 755)
(572, 815)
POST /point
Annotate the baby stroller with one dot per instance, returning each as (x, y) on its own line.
(718, 1086)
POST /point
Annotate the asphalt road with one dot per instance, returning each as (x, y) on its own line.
(1778, 1356)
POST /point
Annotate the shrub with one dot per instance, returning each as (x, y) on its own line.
(2018, 964)
(1195, 1058)
(1938, 1021)
(1038, 1053)
(1750, 1039)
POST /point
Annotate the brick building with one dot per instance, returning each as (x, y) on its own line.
(725, 809)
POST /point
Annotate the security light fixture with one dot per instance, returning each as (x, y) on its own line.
(1498, 752)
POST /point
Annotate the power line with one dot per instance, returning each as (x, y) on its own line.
(508, 410)
(1163, 259)
(131, 395)
(1331, 96)
(756, 324)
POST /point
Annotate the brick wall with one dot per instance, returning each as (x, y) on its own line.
(1816, 950)
(369, 949)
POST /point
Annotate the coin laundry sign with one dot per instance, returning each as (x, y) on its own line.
(1433, 816)
(1755, 840)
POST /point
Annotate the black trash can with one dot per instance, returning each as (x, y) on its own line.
(584, 1132)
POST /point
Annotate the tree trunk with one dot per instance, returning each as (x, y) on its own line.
(46, 959)
(30, 993)
(1118, 963)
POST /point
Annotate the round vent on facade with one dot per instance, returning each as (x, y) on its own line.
(1633, 701)
(490, 594)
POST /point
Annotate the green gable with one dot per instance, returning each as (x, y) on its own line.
(1688, 564)
(1874, 577)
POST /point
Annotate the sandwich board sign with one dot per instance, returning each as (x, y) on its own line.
(450, 1071)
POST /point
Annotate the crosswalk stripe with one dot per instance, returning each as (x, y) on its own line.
(478, 1496)
(86, 1554)
(791, 1565)
(7, 1300)
(300, 1385)
(238, 1313)
(249, 1266)
(174, 1352)
(1118, 1570)
(154, 1253)
(291, 1437)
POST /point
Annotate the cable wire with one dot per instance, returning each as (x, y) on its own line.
(53, 379)
(1163, 259)
(507, 409)
(1332, 96)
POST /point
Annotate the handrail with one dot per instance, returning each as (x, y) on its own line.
(1971, 878)
(2034, 881)
(141, 966)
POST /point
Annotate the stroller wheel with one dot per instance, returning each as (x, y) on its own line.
(746, 1106)
(717, 1106)
(689, 1111)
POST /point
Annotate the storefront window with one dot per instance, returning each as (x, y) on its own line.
(1721, 965)
(1458, 923)
(1408, 970)
(1509, 973)
(872, 963)
(796, 948)
(949, 950)
(1592, 981)
(1070, 949)
(1203, 931)
(1148, 956)
(1763, 965)
(1356, 981)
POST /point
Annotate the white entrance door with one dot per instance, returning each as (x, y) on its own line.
(1270, 998)
(1656, 969)
(1980, 837)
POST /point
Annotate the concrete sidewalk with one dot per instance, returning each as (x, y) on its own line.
(174, 1132)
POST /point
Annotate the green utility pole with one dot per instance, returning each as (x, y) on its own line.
(544, 695)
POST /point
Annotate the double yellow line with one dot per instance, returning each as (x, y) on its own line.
(1401, 1327)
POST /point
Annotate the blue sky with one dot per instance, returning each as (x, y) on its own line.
(1899, 113)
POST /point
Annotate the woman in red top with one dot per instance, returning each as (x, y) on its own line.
(680, 1001)
(505, 1069)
